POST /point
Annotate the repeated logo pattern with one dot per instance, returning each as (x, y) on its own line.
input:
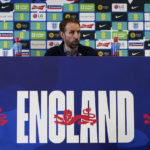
(100, 23)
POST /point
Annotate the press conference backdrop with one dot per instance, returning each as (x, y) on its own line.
(36, 23)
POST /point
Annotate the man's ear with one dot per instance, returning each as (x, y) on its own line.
(62, 34)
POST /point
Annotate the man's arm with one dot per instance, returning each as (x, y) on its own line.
(87, 51)
(51, 52)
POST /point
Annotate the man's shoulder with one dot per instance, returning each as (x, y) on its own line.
(85, 47)
(87, 51)
(54, 51)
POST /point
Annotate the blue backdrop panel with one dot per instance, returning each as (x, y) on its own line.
(33, 20)
(63, 73)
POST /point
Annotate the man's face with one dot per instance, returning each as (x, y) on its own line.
(71, 35)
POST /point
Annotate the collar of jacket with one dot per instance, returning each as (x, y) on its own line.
(61, 46)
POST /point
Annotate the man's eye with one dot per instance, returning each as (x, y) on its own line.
(72, 32)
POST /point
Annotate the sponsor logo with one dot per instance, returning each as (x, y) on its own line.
(123, 52)
(119, 16)
(147, 44)
(132, 35)
(147, 16)
(22, 34)
(25, 53)
(53, 43)
(67, 16)
(18, 25)
(21, 25)
(3, 7)
(38, 35)
(38, 7)
(53, 25)
(37, 52)
(60, 2)
(104, 53)
(21, 7)
(122, 35)
(71, 15)
(100, 53)
(123, 44)
(6, 52)
(103, 25)
(147, 25)
(136, 45)
(103, 35)
(6, 26)
(6, 34)
(119, 7)
(6, 16)
(135, 26)
(70, 8)
(136, 35)
(87, 16)
(21, 16)
(73, 0)
(87, 25)
(53, 35)
(103, 44)
(135, 16)
(54, 8)
(25, 44)
(38, 17)
(5, 1)
(103, 8)
(88, 43)
(147, 52)
(6, 7)
(38, 44)
(136, 8)
(87, 35)
(100, 7)
(54, 16)
(136, 53)
(87, 7)
(147, 35)
(103, 16)
(146, 7)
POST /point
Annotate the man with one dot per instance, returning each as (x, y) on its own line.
(70, 32)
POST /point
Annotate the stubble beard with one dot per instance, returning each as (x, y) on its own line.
(73, 45)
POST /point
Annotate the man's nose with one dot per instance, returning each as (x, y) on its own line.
(77, 35)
